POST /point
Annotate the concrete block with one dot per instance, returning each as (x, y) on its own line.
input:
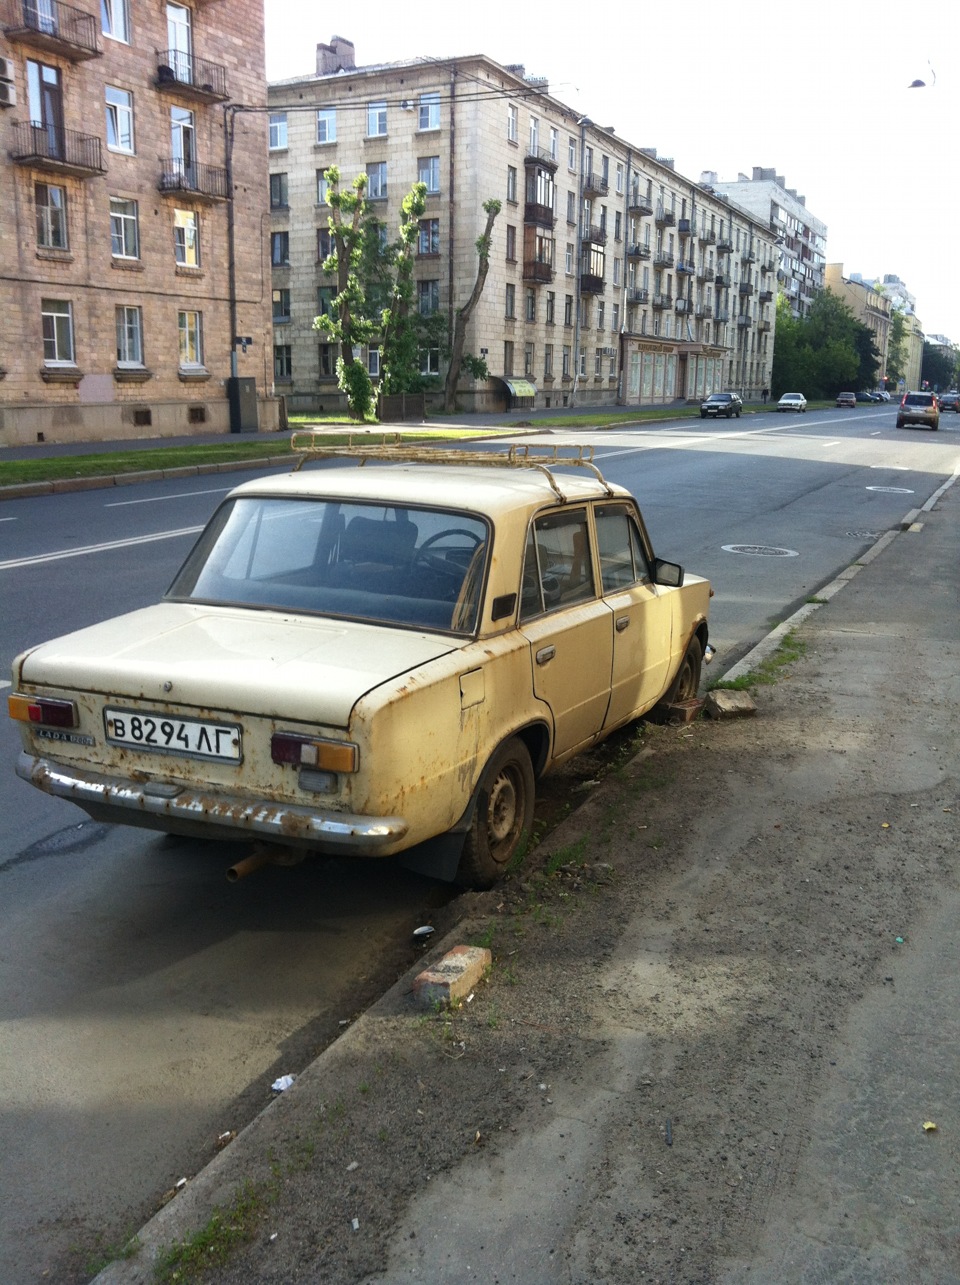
(452, 977)
(730, 704)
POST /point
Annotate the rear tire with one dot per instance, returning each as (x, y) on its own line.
(502, 816)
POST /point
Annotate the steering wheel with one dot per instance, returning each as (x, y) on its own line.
(438, 563)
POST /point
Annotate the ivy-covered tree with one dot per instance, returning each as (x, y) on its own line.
(458, 359)
(348, 323)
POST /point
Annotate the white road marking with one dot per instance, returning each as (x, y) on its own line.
(4, 683)
(105, 547)
(901, 468)
(157, 499)
(8, 519)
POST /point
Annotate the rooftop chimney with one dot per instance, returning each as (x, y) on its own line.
(337, 56)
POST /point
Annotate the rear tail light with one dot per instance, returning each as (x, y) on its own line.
(42, 709)
(306, 751)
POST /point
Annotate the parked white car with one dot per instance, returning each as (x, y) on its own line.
(361, 660)
(792, 401)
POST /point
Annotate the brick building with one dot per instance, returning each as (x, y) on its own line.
(120, 151)
(613, 279)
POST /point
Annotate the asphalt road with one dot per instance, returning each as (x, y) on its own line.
(148, 1004)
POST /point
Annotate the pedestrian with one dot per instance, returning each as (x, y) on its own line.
(765, 394)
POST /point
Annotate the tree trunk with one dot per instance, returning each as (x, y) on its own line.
(464, 314)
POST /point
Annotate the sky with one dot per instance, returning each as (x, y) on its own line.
(817, 91)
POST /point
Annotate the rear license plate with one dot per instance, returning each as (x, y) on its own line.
(191, 736)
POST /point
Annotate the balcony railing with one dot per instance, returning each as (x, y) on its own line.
(54, 27)
(661, 301)
(764, 326)
(191, 77)
(723, 314)
(745, 288)
(540, 156)
(537, 270)
(638, 294)
(595, 184)
(685, 228)
(725, 247)
(708, 238)
(765, 296)
(686, 266)
(542, 215)
(747, 255)
(722, 281)
(768, 265)
(684, 305)
(743, 321)
(64, 151)
(203, 181)
(638, 251)
(705, 274)
(663, 259)
(590, 284)
(704, 310)
(637, 204)
(597, 235)
(665, 218)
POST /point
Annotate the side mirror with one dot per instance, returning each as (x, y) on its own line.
(667, 573)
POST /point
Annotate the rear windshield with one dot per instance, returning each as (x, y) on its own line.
(422, 568)
(919, 399)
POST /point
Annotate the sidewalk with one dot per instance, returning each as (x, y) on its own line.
(713, 1033)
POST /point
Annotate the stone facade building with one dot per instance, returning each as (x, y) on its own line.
(134, 197)
(613, 279)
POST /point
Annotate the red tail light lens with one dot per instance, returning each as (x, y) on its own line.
(43, 709)
(305, 751)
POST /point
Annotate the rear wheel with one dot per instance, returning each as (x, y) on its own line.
(502, 817)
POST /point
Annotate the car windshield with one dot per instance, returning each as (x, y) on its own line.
(416, 567)
(719, 397)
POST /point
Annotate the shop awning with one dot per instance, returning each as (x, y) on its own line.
(520, 387)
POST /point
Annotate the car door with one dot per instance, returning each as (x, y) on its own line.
(642, 613)
(568, 627)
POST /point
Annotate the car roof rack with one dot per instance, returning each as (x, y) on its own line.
(310, 445)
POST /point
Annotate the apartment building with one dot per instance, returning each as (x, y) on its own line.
(134, 195)
(800, 237)
(612, 279)
(870, 306)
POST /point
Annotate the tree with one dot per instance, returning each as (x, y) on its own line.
(823, 352)
(896, 348)
(404, 330)
(476, 365)
(348, 325)
(940, 365)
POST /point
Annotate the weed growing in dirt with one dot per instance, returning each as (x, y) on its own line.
(214, 1242)
(769, 670)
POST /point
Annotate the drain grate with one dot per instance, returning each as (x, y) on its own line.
(760, 550)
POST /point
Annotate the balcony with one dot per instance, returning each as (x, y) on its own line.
(663, 259)
(686, 266)
(596, 235)
(540, 156)
(764, 327)
(59, 151)
(745, 289)
(743, 321)
(768, 265)
(704, 311)
(747, 255)
(590, 284)
(637, 204)
(723, 314)
(725, 247)
(595, 184)
(638, 252)
(665, 218)
(708, 238)
(638, 294)
(765, 296)
(542, 215)
(722, 281)
(191, 77)
(56, 28)
(202, 182)
(685, 228)
(537, 270)
(684, 305)
(705, 274)
(661, 301)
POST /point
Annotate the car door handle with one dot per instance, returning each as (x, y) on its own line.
(622, 623)
(546, 654)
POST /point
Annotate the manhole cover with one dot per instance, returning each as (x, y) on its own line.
(760, 550)
(892, 490)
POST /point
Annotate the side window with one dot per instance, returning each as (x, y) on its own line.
(557, 570)
(622, 560)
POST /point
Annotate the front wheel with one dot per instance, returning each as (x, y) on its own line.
(687, 682)
(738, 414)
(502, 816)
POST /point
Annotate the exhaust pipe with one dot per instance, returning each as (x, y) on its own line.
(257, 858)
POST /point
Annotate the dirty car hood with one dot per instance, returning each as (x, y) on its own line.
(265, 663)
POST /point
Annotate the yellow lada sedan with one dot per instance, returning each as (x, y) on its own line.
(370, 660)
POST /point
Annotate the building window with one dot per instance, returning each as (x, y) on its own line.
(377, 181)
(568, 309)
(428, 297)
(571, 152)
(528, 356)
(373, 363)
(186, 238)
(601, 314)
(57, 319)
(191, 338)
(282, 361)
(620, 176)
(508, 357)
(325, 298)
(124, 229)
(571, 207)
(280, 249)
(568, 260)
(512, 184)
(618, 226)
(534, 136)
(429, 361)
(115, 20)
(376, 120)
(428, 172)
(51, 203)
(323, 187)
(510, 303)
(129, 337)
(326, 125)
(548, 361)
(554, 144)
(616, 272)
(565, 362)
(278, 192)
(429, 242)
(513, 128)
(119, 119)
(551, 306)
(183, 143)
(511, 243)
(278, 131)
(326, 244)
(281, 306)
(615, 318)
(582, 363)
(429, 111)
(598, 361)
(530, 304)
